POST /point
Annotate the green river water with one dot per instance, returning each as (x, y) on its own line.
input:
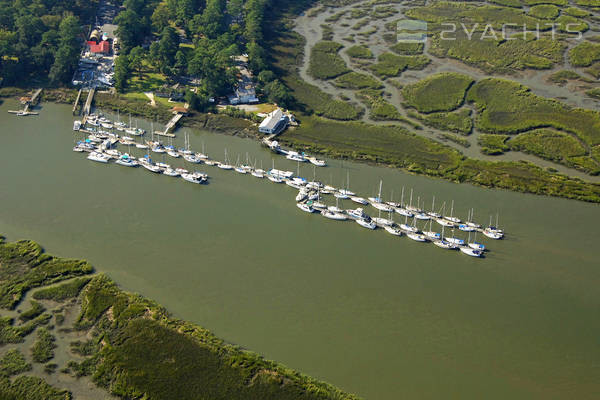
(377, 315)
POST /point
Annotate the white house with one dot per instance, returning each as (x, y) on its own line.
(275, 122)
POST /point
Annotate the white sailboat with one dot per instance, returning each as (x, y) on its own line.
(225, 165)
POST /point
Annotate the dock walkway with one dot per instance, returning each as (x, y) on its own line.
(31, 102)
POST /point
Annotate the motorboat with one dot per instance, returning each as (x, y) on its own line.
(314, 185)
(306, 207)
(317, 162)
(470, 251)
(141, 146)
(295, 156)
(126, 161)
(195, 177)
(319, 206)
(182, 171)
(359, 200)
(258, 173)
(170, 172)
(147, 163)
(347, 192)
(336, 216)
(163, 165)
(275, 178)
(157, 148)
(330, 188)
(393, 230)
(240, 170)
(98, 157)
(366, 223)
(357, 214)
(173, 153)
(76, 125)
(337, 209)
(302, 194)
(340, 195)
(225, 166)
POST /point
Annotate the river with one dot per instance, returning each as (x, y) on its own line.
(376, 315)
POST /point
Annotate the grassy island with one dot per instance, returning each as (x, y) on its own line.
(186, 361)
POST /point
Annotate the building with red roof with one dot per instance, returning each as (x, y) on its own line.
(103, 47)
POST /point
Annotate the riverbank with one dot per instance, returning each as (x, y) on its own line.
(116, 330)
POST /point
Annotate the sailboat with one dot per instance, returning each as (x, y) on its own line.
(442, 220)
(443, 243)
(238, 168)
(225, 165)
(401, 209)
(378, 203)
(335, 213)
(474, 244)
(451, 217)
(258, 173)
(307, 207)
(492, 231)
(431, 234)
(345, 193)
(274, 175)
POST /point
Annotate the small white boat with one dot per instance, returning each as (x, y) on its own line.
(302, 194)
(330, 188)
(404, 212)
(170, 172)
(357, 214)
(141, 146)
(422, 216)
(317, 162)
(383, 221)
(295, 156)
(173, 153)
(432, 235)
(240, 170)
(476, 246)
(359, 200)
(366, 223)
(492, 233)
(182, 171)
(163, 165)
(212, 163)
(340, 195)
(454, 219)
(280, 173)
(314, 185)
(444, 222)
(98, 157)
(78, 149)
(339, 210)
(409, 228)
(106, 125)
(382, 207)
(192, 158)
(306, 207)
(319, 206)
(347, 192)
(275, 178)
(393, 230)
(466, 228)
(258, 173)
(76, 125)
(147, 163)
(471, 252)
(417, 237)
(194, 178)
(336, 216)
(126, 161)
(224, 166)
(456, 241)
(444, 244)
(158, 148)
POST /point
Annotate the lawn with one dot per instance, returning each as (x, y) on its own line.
(439, 92)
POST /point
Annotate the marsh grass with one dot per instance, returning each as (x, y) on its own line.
(492, 144)
(325, 62)
(584, 54)
(356, 80)
(440, 92)
(359, 51)
(13, 363)
(458, 122)
(63, 291)
(42, 350)
(509, 107)
(391, 65)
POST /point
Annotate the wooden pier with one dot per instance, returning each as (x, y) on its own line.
(170, 125)
(28, 103)
(88, 103)
(77, 100)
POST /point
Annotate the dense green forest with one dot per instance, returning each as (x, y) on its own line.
(196, 38)
(41, 39)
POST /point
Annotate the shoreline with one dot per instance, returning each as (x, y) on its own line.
(244, 128)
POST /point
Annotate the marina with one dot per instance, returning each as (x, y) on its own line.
(308, 198)
(402, 307)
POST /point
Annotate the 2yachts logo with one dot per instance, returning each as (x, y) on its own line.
(415, 31)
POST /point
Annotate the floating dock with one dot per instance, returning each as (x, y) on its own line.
(28, 103)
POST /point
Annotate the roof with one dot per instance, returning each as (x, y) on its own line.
(102, 47)
(272, 119)
(179, 109)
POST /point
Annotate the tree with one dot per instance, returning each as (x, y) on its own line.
(278, 93)
(213, 18)
(67, 56)
(130, 30)
(136, 59)
(180, 62)
(266, 76)
(121, 72)
(160, 17)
